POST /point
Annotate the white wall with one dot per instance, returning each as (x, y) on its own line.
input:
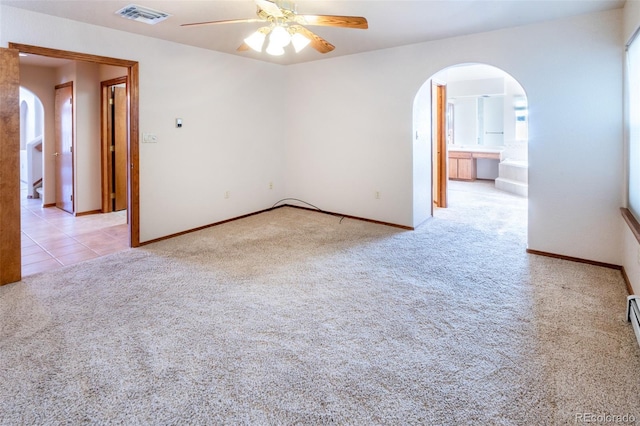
(87, 139)
(338, 130)
(40, 81)
(86, 78)
(351, 129)
(575, 149)
(109, 72)
(31, 126)
(232, 138)
(350, 134)
(465, 122)
(630, 246)
(423, 154)
(34, 125)
(472, 87)
(86, 136)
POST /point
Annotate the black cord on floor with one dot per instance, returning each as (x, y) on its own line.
(309, 204)
(296, 199)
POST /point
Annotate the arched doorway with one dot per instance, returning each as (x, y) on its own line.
(471, 129)
(31, 144)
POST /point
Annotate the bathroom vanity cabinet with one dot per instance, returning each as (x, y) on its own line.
(462, 163)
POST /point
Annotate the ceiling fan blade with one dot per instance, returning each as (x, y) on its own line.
(317, 42)
(270, 7)
(334, 21)
(230, 21)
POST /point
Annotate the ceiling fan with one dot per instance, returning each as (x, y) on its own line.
(286, 27)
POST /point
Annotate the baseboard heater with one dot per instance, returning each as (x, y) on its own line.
(633, 314)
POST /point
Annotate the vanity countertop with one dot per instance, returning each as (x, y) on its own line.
(471, 148)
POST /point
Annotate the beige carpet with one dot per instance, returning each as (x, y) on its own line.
(298, 317)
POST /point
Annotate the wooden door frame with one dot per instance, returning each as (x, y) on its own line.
(105, 157)
(10, 147)
(439, 124)
(10, 243)
(60, 203)
(133, 90)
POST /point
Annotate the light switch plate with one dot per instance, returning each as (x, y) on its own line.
(149, 138)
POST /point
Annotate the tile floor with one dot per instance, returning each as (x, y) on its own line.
(52, 238)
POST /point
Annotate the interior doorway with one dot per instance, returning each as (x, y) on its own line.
(31, 144)
(489, 130)
(439, 145)
(10, 252)
(114, 117)
(64, 142)
(477, 137)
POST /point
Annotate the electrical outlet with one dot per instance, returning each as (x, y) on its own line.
(377, 195)
(270, 185)
(227, 194)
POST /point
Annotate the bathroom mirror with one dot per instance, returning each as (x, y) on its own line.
(477, 120)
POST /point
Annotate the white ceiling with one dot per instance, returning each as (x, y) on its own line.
(391, 23)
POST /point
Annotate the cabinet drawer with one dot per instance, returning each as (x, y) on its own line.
(489, 155)
(459, 154)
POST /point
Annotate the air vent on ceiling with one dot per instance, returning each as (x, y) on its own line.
(142, 14)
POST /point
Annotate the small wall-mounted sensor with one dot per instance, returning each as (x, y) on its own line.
(178, 122)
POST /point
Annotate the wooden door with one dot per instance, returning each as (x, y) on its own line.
(120, 147)
(439, 143)
(64, 146)
(115, 144)
(10, 253)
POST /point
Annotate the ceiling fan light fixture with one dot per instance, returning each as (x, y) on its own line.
(286, 26)
(299, 42)
(274, 49)
(279, 36)
(256, 40)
